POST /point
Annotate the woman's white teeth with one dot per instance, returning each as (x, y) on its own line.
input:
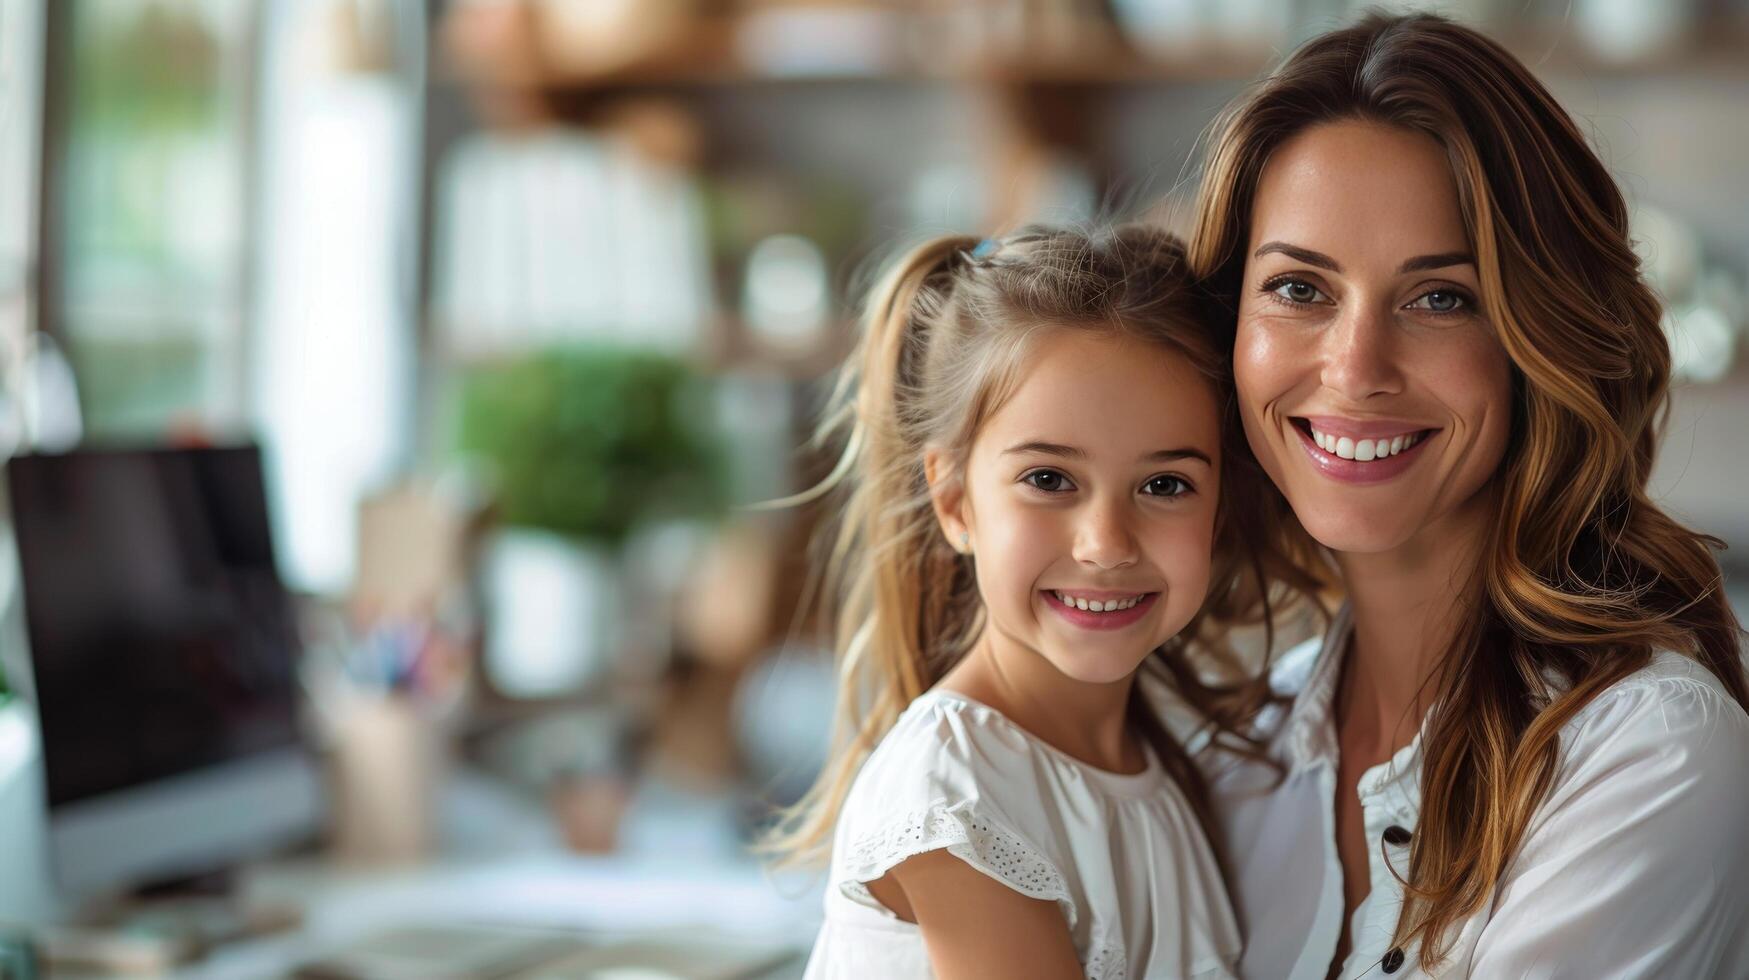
(1364, 450)
(1094, 605)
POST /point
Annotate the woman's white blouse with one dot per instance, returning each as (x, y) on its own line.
(1636, 865)
(1123, 855)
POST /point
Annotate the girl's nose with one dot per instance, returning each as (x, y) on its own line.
(1104, 538)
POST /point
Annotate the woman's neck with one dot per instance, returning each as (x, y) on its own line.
(1406, 606)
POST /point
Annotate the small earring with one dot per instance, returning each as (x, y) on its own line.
(965, 542)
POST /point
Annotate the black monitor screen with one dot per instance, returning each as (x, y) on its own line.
(161, 637)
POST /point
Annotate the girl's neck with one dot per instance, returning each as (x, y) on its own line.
(1086, 721)
(1407, 606)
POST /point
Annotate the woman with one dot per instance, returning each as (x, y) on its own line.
(1521, 747)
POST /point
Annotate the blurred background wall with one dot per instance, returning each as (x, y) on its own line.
(524, 298)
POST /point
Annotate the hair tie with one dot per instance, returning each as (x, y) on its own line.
(986, 248)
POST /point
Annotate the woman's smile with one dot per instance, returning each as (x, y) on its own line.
(1352, 451)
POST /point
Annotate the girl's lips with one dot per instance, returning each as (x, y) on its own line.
(1101, 620)
(1354, 471)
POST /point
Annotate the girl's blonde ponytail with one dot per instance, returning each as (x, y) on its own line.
(886, 558)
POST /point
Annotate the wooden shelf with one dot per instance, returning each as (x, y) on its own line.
(727, 344)
(704, 54)
(509, 47)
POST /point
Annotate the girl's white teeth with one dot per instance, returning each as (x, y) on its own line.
(1363, 450)
(1094, 605)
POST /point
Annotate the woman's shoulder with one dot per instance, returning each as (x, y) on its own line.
(1643, 822)
(1671, 727)
(1673, 694)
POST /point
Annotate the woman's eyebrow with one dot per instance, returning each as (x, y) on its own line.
(1305, 255)
(1420, 263)
(1442, 260)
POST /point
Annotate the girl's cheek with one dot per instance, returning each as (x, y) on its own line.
(1186, 553)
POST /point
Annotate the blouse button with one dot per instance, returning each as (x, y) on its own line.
(1396, 836)
(1393, 960)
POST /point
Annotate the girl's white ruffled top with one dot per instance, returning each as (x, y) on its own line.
(1123, 855)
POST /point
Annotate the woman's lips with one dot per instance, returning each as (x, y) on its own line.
(1360, 452)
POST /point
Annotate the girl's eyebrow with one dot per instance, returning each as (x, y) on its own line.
(1071, 452)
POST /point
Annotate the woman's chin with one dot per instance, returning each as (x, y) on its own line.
(1352, 530)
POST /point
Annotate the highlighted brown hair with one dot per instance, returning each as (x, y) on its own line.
(1583, 577)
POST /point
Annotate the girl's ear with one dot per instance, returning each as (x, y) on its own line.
(947, 494)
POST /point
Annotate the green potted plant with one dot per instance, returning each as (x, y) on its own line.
(581, 446)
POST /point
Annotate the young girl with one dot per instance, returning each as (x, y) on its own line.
(1036, 463)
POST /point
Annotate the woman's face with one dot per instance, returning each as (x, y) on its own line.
(1088, 502)
(1372, 389)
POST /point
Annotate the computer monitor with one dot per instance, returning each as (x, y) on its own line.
(163, 648)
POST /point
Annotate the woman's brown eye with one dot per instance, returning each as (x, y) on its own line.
(1296, 291)
(1046, 480)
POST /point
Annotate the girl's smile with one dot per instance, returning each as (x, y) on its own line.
(1101, 610)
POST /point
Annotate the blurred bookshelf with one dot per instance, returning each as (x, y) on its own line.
(1017, 95)
(924, 116)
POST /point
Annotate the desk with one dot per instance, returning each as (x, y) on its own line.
(503, 865)
(602, 897)
(594, 899)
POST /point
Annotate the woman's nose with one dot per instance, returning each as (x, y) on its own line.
(1358, 354)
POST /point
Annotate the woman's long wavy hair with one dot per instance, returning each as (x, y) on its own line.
(945, 340)
(1583, 577)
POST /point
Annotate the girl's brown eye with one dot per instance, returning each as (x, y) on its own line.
(1166, 486)
(1049, 481)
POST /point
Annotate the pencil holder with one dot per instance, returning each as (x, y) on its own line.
(387, 762)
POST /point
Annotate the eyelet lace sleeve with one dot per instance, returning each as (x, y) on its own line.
(961, 831)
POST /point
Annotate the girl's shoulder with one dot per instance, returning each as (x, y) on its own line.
(945, 751)
(949, 745)
(954, 775)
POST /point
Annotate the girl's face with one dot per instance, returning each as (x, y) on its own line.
(1372, 389)
(1095, 485)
